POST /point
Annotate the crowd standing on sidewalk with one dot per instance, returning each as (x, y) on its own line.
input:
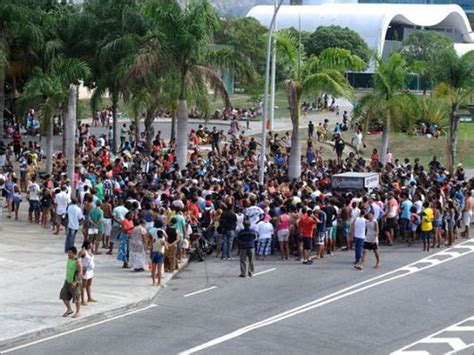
(139, 205)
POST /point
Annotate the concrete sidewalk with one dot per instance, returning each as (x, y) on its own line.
(33, 271)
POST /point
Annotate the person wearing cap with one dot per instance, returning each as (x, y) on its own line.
(247, 238)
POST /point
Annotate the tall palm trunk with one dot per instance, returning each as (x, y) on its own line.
(149, 129)
(70, 133)
(173, 125)
(294, 164)
(115, 126)
(49, 145)
(182, 134)
(64, 138)
(137, 129)
(2, 108)
(385, 141)
(453, 137)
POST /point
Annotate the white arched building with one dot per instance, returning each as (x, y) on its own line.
(382, 26)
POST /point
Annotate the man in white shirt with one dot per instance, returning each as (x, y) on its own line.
(74, 218)
(33, 196)
(358, 231)
(61, 201)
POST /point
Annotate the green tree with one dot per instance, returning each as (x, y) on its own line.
(49, 91)
(336, 37)
(116, 30)
(247, 36)
(20, 35)
(181, 42)
(308, 76)
(421, 50)
(389, 101)
(455, 84)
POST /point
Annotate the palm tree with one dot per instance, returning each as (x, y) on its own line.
(181, 43)
(455, 78)
(19, 36)
(115, 30)
(389, 99)
(50, 92)
(307, 76)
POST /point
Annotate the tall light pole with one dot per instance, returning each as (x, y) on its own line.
(272, 99)
(261, 175)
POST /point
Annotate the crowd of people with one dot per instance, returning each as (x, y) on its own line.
(140, 206)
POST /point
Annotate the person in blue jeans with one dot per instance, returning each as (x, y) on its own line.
(229, 224)
(358, 231)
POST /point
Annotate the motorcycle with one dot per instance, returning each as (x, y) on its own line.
(202, 243)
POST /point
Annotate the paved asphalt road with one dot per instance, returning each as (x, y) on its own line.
(378, 316)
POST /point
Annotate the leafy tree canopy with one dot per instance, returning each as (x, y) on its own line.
(425, 46)
(336, 37)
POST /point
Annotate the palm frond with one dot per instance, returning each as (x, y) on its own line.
(211, 78)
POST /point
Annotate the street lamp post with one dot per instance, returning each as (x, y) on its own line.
(273, 79)
(261, 175)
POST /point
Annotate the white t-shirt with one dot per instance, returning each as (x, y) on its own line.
(33, 191)
(119, 213)
(158, 240)
(74, 215)
(253, 213)
(61, 200)
(264, 230)
(359, 227)
(358, 138)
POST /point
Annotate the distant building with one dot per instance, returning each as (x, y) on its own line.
(382, 26)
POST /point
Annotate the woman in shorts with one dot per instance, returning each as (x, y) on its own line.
(283, 233)
(158, 242)
(88, 265)
(371, 241)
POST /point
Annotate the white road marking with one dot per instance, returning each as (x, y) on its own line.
(455, 343)
(200, 291)
(348, 291)
(264, 271)
(77, 329)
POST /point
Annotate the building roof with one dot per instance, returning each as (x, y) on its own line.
(371, 21)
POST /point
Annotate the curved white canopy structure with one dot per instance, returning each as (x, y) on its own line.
(371, 21)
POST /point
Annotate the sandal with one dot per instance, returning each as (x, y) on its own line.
(67, 313)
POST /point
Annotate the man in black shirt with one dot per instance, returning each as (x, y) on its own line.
(310, 129)
(247, 237)
(215, 139)
(331, 216)
(229, 223)
(339, 147)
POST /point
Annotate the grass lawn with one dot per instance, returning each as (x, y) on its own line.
(404, 146)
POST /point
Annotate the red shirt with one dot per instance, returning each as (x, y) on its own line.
(116, 170)
(307, 226)
(194, 209)
(127, 227)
